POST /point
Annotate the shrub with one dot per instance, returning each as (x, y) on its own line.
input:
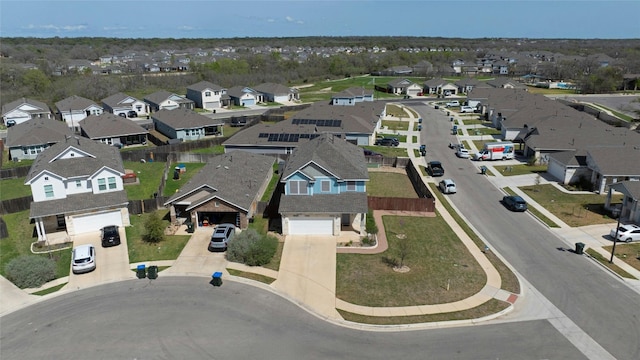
(155, 229)
(370, 226)
(30, 271)
(251, 248)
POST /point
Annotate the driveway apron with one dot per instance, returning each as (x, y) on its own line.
(112, 263)
(196, 259)
(308, 273)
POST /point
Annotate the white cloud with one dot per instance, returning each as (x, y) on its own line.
(271, 20)
(186, 28)
(289, 18)
(115, 28)
(57, 28)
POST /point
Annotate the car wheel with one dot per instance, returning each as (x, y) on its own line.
(627, 240)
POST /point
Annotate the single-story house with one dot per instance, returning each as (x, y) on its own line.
(351, 96)
(75, 108)
(439, 87)
(630, 207)
(244, 96)
(28, 139)
(121, 103)
(403, 86)
(113, 130)
(226, 190)
(185, 124)
(277, 93)
(23, 109)
(168, 101)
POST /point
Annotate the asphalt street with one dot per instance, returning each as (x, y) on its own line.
(597, 302)
(187, 318)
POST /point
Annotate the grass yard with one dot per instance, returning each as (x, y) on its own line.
(605, 262)
(171, 185)
(395, 125)
(484, 131)
(252, 276)
(140, 251)
(388, 151)
(395, 110)
(490, 307)
(546, 91)
(21, 235)
(149, 175)
(509, 279)
(441, 268)
(390, 185)
(574, 209)
(13, 189)
(629, 253)
(217, 149)
(272, 184)
(520, 169)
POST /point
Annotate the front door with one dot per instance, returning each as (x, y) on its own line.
(346, 219)
(61, 222)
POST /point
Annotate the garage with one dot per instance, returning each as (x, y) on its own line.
(212, 105)
(310, 226)
(95, 222)
(248, 102)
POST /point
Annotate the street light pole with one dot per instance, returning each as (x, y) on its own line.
(615, 238)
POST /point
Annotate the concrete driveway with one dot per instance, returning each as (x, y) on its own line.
(196, 259)
(308, 273)
(112, 263)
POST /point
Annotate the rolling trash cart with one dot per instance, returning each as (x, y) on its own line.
(152, 273)
(141, 271)
(216, 278)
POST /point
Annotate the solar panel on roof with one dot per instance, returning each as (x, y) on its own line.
(273, 137)
(295, 121)
(281, 137)
(304, 136)
(294, 137)
(263, 135)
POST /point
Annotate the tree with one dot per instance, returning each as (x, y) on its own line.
(30, 271)
(403, 251)
(155, 229)
(36, 81)
(251, 248)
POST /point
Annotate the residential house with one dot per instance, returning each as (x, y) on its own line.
(325, 188)
(356, 124)
(630, 207)
(121, 103)
(23, 109)
(207, 95)
(277, 93)
(403, 86)
(226, 190)
(505, 83)
(75, 108)
(439, 87)
(26, 140)
(351, 96)
(244, 96)
(185, 124)
(612, 164)
(77, 188)
(466, 85)
(168, 101)
(113, 130)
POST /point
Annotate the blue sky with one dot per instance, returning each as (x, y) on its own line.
(605, 19)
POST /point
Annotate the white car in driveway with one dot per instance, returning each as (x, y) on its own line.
(83, 259)
(626, 233)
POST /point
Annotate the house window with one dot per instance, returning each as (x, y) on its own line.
(207, 93)
(297, 187)
(102, 184)
(112, 183)
(48, 191)
(78, 184)
(325, 185)
(351, 186)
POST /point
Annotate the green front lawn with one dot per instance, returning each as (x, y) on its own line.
(629, 253)
(140, 251)
(395, 125)
(388, 151)
(512, 170)
(441, 268)
(574, 209)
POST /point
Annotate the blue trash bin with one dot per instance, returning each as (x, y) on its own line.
(216, 278)
(141, 271)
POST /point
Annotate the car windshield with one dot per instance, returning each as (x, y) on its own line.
(82, 260)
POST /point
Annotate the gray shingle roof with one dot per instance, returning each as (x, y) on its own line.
(78, 203)
(273, 88)
(184, 119)
(352, 202)
(158, 97)
(109, 125)
(101, 155)
(337, 156)
(239, 91)
(236, 178)
(37, 132)
(116, 100)
(41, 107)
(352, 93)
(630, 188)
(616, 160)
(204, 85)
(75, 102)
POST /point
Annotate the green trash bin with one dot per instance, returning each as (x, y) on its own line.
(190, 228)
(579, 248)
(152, 273)
(141, 272)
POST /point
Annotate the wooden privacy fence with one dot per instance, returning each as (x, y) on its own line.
(15, 205)
(16, 172)
(401, 204)
(137, 207)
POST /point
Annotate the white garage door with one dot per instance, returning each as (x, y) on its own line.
(310, 226)
(95, 222)
(556, 169)
(212, 105)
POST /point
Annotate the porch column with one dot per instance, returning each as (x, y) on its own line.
(607, 201)
(42, 236)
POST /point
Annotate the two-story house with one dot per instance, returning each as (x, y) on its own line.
(77, 188)
(75, 108)
(121, 103)
(325, 188)
(21, 110)
(207, 95)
